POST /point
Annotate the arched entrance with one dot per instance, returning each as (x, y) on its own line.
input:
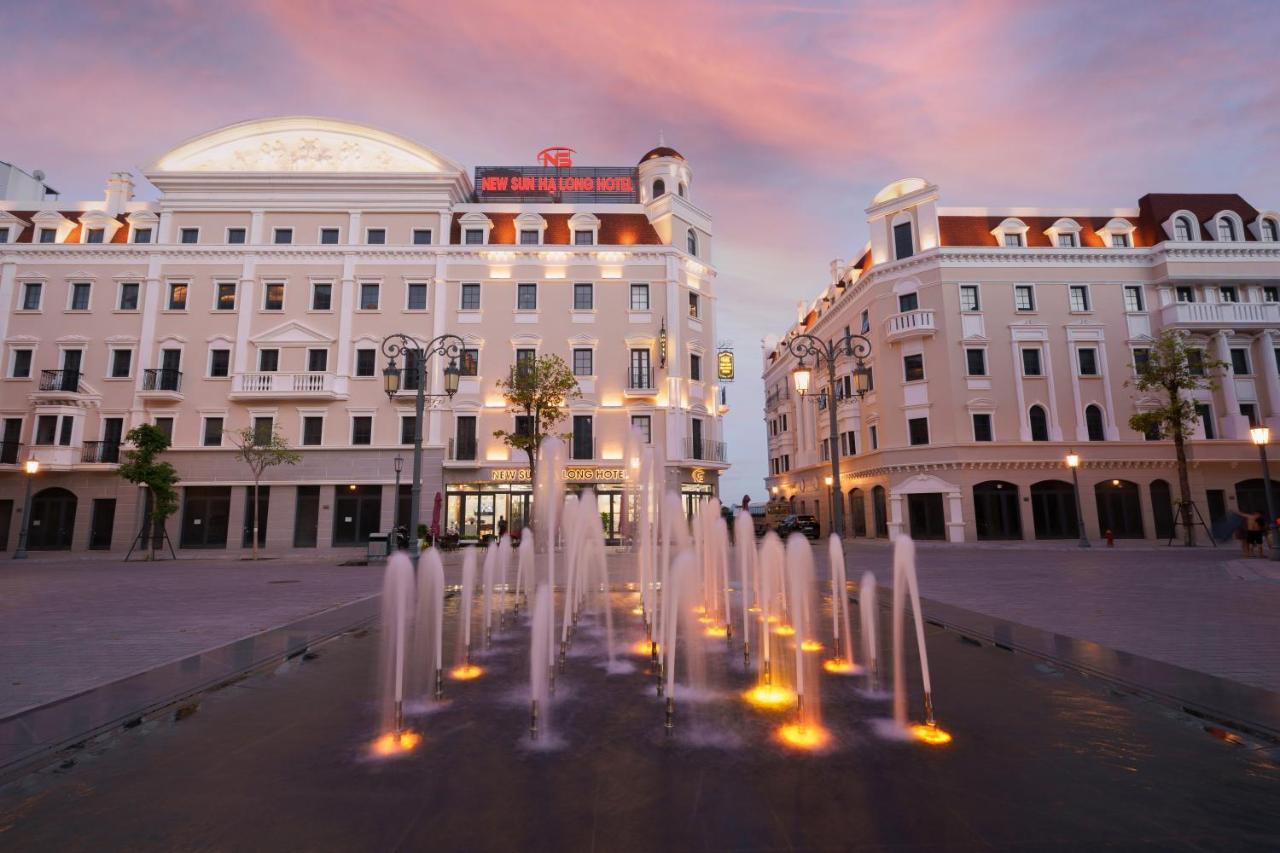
(53, 520)
(858, 512)
(995, 510)
(1119, 509)
(1053, 510)
(1162, 509)
(880, 512)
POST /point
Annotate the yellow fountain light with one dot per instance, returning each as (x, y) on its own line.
(643, 647)
(801, 736)
(931, 735)
(396, 743)
(706, 620)
(699, 609)
(838, 666)
(770, 696)
(784, 630)
(716, 631)
(637, 611)
(465, 672)
(810, 646)
(754, 609)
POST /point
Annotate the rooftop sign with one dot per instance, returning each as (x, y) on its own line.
(558, 180)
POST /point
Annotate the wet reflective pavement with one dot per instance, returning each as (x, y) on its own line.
(1042, 758)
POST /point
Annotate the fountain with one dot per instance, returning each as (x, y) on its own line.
(465, 670)
(428, 627)
(869, 607)
(397, 623)
(541, 635)
(744, 538)
(772, 688)
(807, 731)
(486, 591)
(906, 585)
(842, 661)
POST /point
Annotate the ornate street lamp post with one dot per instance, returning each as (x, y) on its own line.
(32, 468)
(416, 357)
(1262, 437)
(398, 465)
(804, 346)
(1073, 462)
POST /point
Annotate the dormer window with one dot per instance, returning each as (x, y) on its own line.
(1013, 240)
(94, 235)
(1064, 233)
(584, 238)
(48, 235)
(474, 237)
(1182, 229)
(528, 237)
(530, 229)
(1226, 230)
(1067, 241)
(1120, 241)
(1011, 233)
(1117, 233)
(1269, 231)
(585, 228)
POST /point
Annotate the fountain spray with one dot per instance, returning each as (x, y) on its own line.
(486, 591)
(868, 605)
(745, 550)
(428, 633)
(905, 584)
(397, 615)
(541, 627)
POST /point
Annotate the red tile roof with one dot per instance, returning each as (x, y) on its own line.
(976, 230)
(1156, 208)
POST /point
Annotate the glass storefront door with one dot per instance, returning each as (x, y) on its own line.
(476, 515)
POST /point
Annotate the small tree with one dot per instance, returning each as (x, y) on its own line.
(1171, 369)
(142, 467)
(261, 452)
(539, 391)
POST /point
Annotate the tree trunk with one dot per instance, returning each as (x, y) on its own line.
(255, 518)
(1184, 485)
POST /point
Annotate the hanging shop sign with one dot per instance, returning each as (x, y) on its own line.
(662, 344)
(724, 365)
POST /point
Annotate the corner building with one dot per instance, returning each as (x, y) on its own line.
(1004, 340)
(257, 291)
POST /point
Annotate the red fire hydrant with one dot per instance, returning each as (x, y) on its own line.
(1111, 539)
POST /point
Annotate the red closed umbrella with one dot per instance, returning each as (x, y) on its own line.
(435, 516)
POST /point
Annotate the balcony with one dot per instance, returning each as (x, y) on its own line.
(909, 324)
(59, 385)
(270, 386)
(100, 453)
(641, 382)
(704, 450)
(55, 457)
(776, 397)
(1228, 315)
(161, 384)
(10, 452)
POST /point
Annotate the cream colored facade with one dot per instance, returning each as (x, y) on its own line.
(261, 284)
(1005, 339)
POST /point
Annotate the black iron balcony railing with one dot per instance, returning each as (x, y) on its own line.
(9, 452)
(640, 379)
(773, 398)
(162, 379)
(704, 450)
(100, 452)
(60, 380)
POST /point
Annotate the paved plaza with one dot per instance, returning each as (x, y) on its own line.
(68, 625)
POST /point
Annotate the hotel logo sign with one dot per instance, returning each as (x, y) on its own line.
(558, 157)
(556, 179)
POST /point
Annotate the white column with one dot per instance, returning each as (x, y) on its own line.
(255, 228)
(439, 305)
(1082, 432)
(1270, 374)
(164, 232)
(442, 233)
(346, 308)
(244, 316)
(8, 273)
(354, 237)
(1234, 425)
(1055, 423)
(895, 514)
(1024, 425)
(955, 527)
(1113, 429)
(152, 294)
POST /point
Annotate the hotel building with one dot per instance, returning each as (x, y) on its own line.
(257, 289)
(1003, 340)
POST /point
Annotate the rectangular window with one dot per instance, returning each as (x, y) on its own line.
(913, 368)
(121, 363)
(524, 359)
(369, 296)
(903, 246)
(918, 431)
(1205, 414)
(639, 297)
(407, 423)
(317, 360)
(321, 296)
(329, 236)
(226, 296)
(1120, 241)
(473, 237)
(375, 236)
(1271, 294)
(1078, 297)
(1250, 411)
(969, 297)
(312, 430)
(31, 293)
(1066, 241)
(48, 235)
(1013, 240)
(582, 362)
(583, 439)
(695, 367)
(644, 426)
(189, 235)
(982, 426)
(528, 236)
(365, 362)
(527, 296)
(362, 429)
(469, 362)
(1240, 361)
(1228, 293)
(584, 238)
(695, 307)
(273, 296)
(236, 236)
(465, 437)
(269, 360)
(583, 296)
(470, 296)
(865, 323)
(975, 362)
(524, 425)
(875, 437)
(219, 362)
(20, 366)
(165, 425)
(128, 296)
(908, 302)
(80, 296)
(1088, 361)
(282, 236)
(46, 432)
(142, 235)
(1133, 301)
(422, 236)
(212, 433)
(1031, 362)
(1024, 297)
(177, 296)
(263, 428)
(1185, 294)
(1195, 362)
(417, 296)
(1141, 358)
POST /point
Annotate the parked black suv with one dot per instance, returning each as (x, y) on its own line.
(806, 524)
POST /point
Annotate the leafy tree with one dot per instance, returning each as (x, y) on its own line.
(537, 390)
(1172, 369)
(142, 467)
(260, 452)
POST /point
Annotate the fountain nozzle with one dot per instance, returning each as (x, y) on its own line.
(399, 715)
(746, 654)
(766, 674)
(563, 650)
(439, 684)
(928, 711)
(670, 723)
(533, 720)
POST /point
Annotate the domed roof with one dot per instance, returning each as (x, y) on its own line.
(662, 151)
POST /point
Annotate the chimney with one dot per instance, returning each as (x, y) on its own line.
(119, 192)
(837, 270)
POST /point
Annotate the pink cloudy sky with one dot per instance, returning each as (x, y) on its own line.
(791, 114)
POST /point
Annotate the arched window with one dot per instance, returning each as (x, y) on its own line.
(1093, 422)
(659, 187)
(1039, 424)
(1182, 228)
(680, 189)
(1226, 230)
(693, 242)
(1270, 232)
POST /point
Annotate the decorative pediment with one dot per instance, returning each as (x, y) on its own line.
(52, 219)
(14, 225)
(290, 334)
(981, 403)
(924, 484)
(583, 340)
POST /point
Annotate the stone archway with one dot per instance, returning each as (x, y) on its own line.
(910, 510)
